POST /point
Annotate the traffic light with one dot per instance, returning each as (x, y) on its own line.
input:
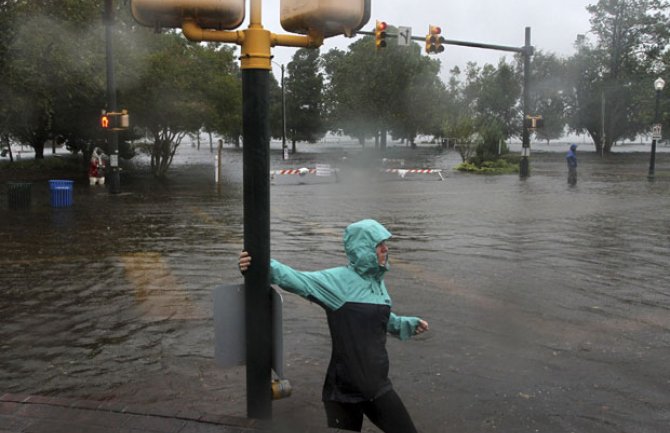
(533, 122)
(380, 34)
(434, 40)
(115, 121)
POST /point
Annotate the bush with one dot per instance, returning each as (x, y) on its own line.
(37, 169)
(499, 166)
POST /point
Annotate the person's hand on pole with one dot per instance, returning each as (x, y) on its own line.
(245, 261)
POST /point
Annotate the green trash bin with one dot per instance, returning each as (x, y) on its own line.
(19, 195)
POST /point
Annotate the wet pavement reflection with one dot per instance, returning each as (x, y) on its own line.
(549, 304)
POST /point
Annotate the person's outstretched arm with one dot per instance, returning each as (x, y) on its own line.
(319, 286)
(404, 327)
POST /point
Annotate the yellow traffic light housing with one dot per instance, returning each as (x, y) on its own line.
(434, 40)
(208, 14)
(324, 17)
(380, 34)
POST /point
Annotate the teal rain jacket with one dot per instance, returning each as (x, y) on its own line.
(358, 307)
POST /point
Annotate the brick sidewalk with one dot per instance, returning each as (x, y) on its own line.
(36, 414)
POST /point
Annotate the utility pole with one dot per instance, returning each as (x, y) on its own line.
(113, 177)
(524, 165)
(284, 149)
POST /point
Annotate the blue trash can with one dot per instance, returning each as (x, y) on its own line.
(61, 193)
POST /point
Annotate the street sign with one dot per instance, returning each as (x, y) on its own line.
(656, 132)
(404, 36)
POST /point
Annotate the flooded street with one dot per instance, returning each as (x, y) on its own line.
(549, 305)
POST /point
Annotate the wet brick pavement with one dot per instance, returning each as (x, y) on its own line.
(36, 414)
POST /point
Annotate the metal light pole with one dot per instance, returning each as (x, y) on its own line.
(113, 180)
(284, 149)
(524, 164)
(659, 84)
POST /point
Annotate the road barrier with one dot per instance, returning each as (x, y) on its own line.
(326, 170)
(402, 172)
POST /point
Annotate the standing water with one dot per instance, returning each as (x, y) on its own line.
(548, 304)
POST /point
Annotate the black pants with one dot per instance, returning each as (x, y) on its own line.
(572, 176)
(386, 412)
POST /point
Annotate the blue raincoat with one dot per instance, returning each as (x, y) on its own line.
(358, 307)
(571, 157)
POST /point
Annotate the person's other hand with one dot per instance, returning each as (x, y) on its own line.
(245, 261)
(421, 327)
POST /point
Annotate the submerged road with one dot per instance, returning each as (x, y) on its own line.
(548, 304)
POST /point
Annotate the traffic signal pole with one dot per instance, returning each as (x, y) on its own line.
(527, 51)
(256, 66)
(113, 178)
(255, 60)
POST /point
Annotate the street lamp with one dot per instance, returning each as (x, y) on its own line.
(284, 149)
(659, 84)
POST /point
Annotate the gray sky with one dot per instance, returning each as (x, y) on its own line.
(554, 25)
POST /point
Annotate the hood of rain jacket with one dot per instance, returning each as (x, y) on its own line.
(360, 242)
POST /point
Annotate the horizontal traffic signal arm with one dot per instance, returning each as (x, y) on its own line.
(458, 43)
(195, 33)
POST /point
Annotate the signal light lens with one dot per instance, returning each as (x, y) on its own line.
(104, 121)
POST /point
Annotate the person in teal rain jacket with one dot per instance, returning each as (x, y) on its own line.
(358, 308)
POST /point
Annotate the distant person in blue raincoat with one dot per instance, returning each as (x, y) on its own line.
(358, 309)
(571, 158)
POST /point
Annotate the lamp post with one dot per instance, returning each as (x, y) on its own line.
(284, 149)
(659, 84)
(114, 179)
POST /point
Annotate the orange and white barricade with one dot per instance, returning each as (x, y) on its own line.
(321, 170)
(402, 172)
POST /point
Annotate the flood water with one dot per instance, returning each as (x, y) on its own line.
(549, 305)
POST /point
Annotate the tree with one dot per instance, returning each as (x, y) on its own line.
(498, 99)
(220, 86)
(391, 89)
(167, 99)
(49, 57)
(612, 76)
(304, 100)
(346, 107)
(547, 90)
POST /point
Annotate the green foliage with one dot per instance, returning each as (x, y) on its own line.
(547, 95)
(53, 79)
(49, 84)
(391, 89)
(45, 165)
(500, 166)
(304, 103)
(612, 77)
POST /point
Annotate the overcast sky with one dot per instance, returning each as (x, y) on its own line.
(554, 25)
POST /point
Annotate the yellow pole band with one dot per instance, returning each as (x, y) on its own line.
(256, 49)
